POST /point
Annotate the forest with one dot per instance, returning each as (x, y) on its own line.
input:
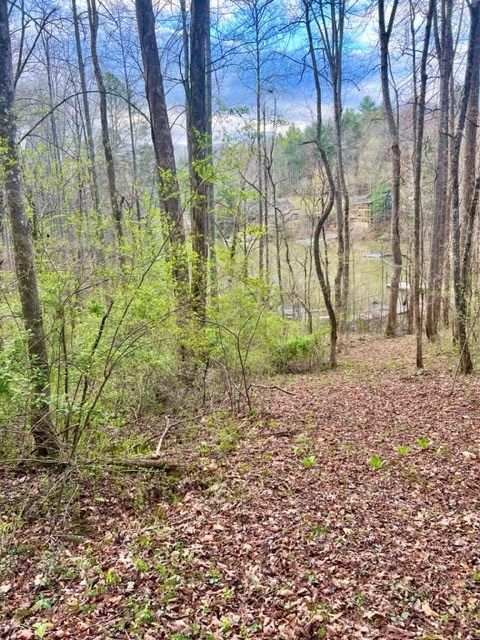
(239, 293)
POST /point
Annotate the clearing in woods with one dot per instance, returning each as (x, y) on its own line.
(346, 508)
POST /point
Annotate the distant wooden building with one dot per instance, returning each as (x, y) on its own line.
(367, 210)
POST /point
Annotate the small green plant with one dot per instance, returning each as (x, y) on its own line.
(112, 577)
(228, 593)
(443, 451)
(228, 437)
(410, 473)
(321, 609)
(358, 599)
(402, 450)
(213, 576)
(141, 610)
(140, 565)
(42, 603)
(194, 632)
(423, 443)
(145, 615)
(318, 530)
(41, 628)
(376, 461)
(226, 624)
(308, 462)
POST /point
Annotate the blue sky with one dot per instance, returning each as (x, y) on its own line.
(285, 65)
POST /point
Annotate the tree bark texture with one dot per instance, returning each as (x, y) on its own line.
(46, 443)
(107, 147)
(162, 139)
(322, 219)
(418, 154)
(385, 34)
(444, 45)
(460, 276)
(198, 120)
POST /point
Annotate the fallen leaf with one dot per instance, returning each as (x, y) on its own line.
(427, 610)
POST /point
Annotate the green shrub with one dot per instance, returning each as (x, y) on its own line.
(14, 386)
(301, 353)
(117, 350)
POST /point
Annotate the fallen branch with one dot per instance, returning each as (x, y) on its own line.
(160, 442)
(148, 462)
(144, 463)
(21, 464)
(271, 387)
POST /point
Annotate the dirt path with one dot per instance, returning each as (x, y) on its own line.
(350, 509)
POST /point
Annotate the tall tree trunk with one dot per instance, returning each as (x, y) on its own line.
(277, 221)
(86, 110)
(58, 221)
(198, 120)
(460, 279)
(470, 146)
(418, 154)
(53, 119)
(186, 80)
(346, 232)
(46, 443)
(209, 151)
(322, 219)
(444, 45)
(3, 236)
(266, 195)
(332, 32)
(131, 130)
(258, 106)
(447, 274)
(162, 142)
(107, 147)
(385, 34)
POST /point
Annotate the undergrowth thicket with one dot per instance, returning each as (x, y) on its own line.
(121, 348)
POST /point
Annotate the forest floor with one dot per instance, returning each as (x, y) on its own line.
(348, 507)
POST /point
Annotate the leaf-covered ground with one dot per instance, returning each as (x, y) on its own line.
(350, 509)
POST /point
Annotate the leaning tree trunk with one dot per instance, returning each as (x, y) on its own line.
(46, 443)
(319, 226)
(385, 34)
(322, 219)
(162, 141)
(331, 26)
